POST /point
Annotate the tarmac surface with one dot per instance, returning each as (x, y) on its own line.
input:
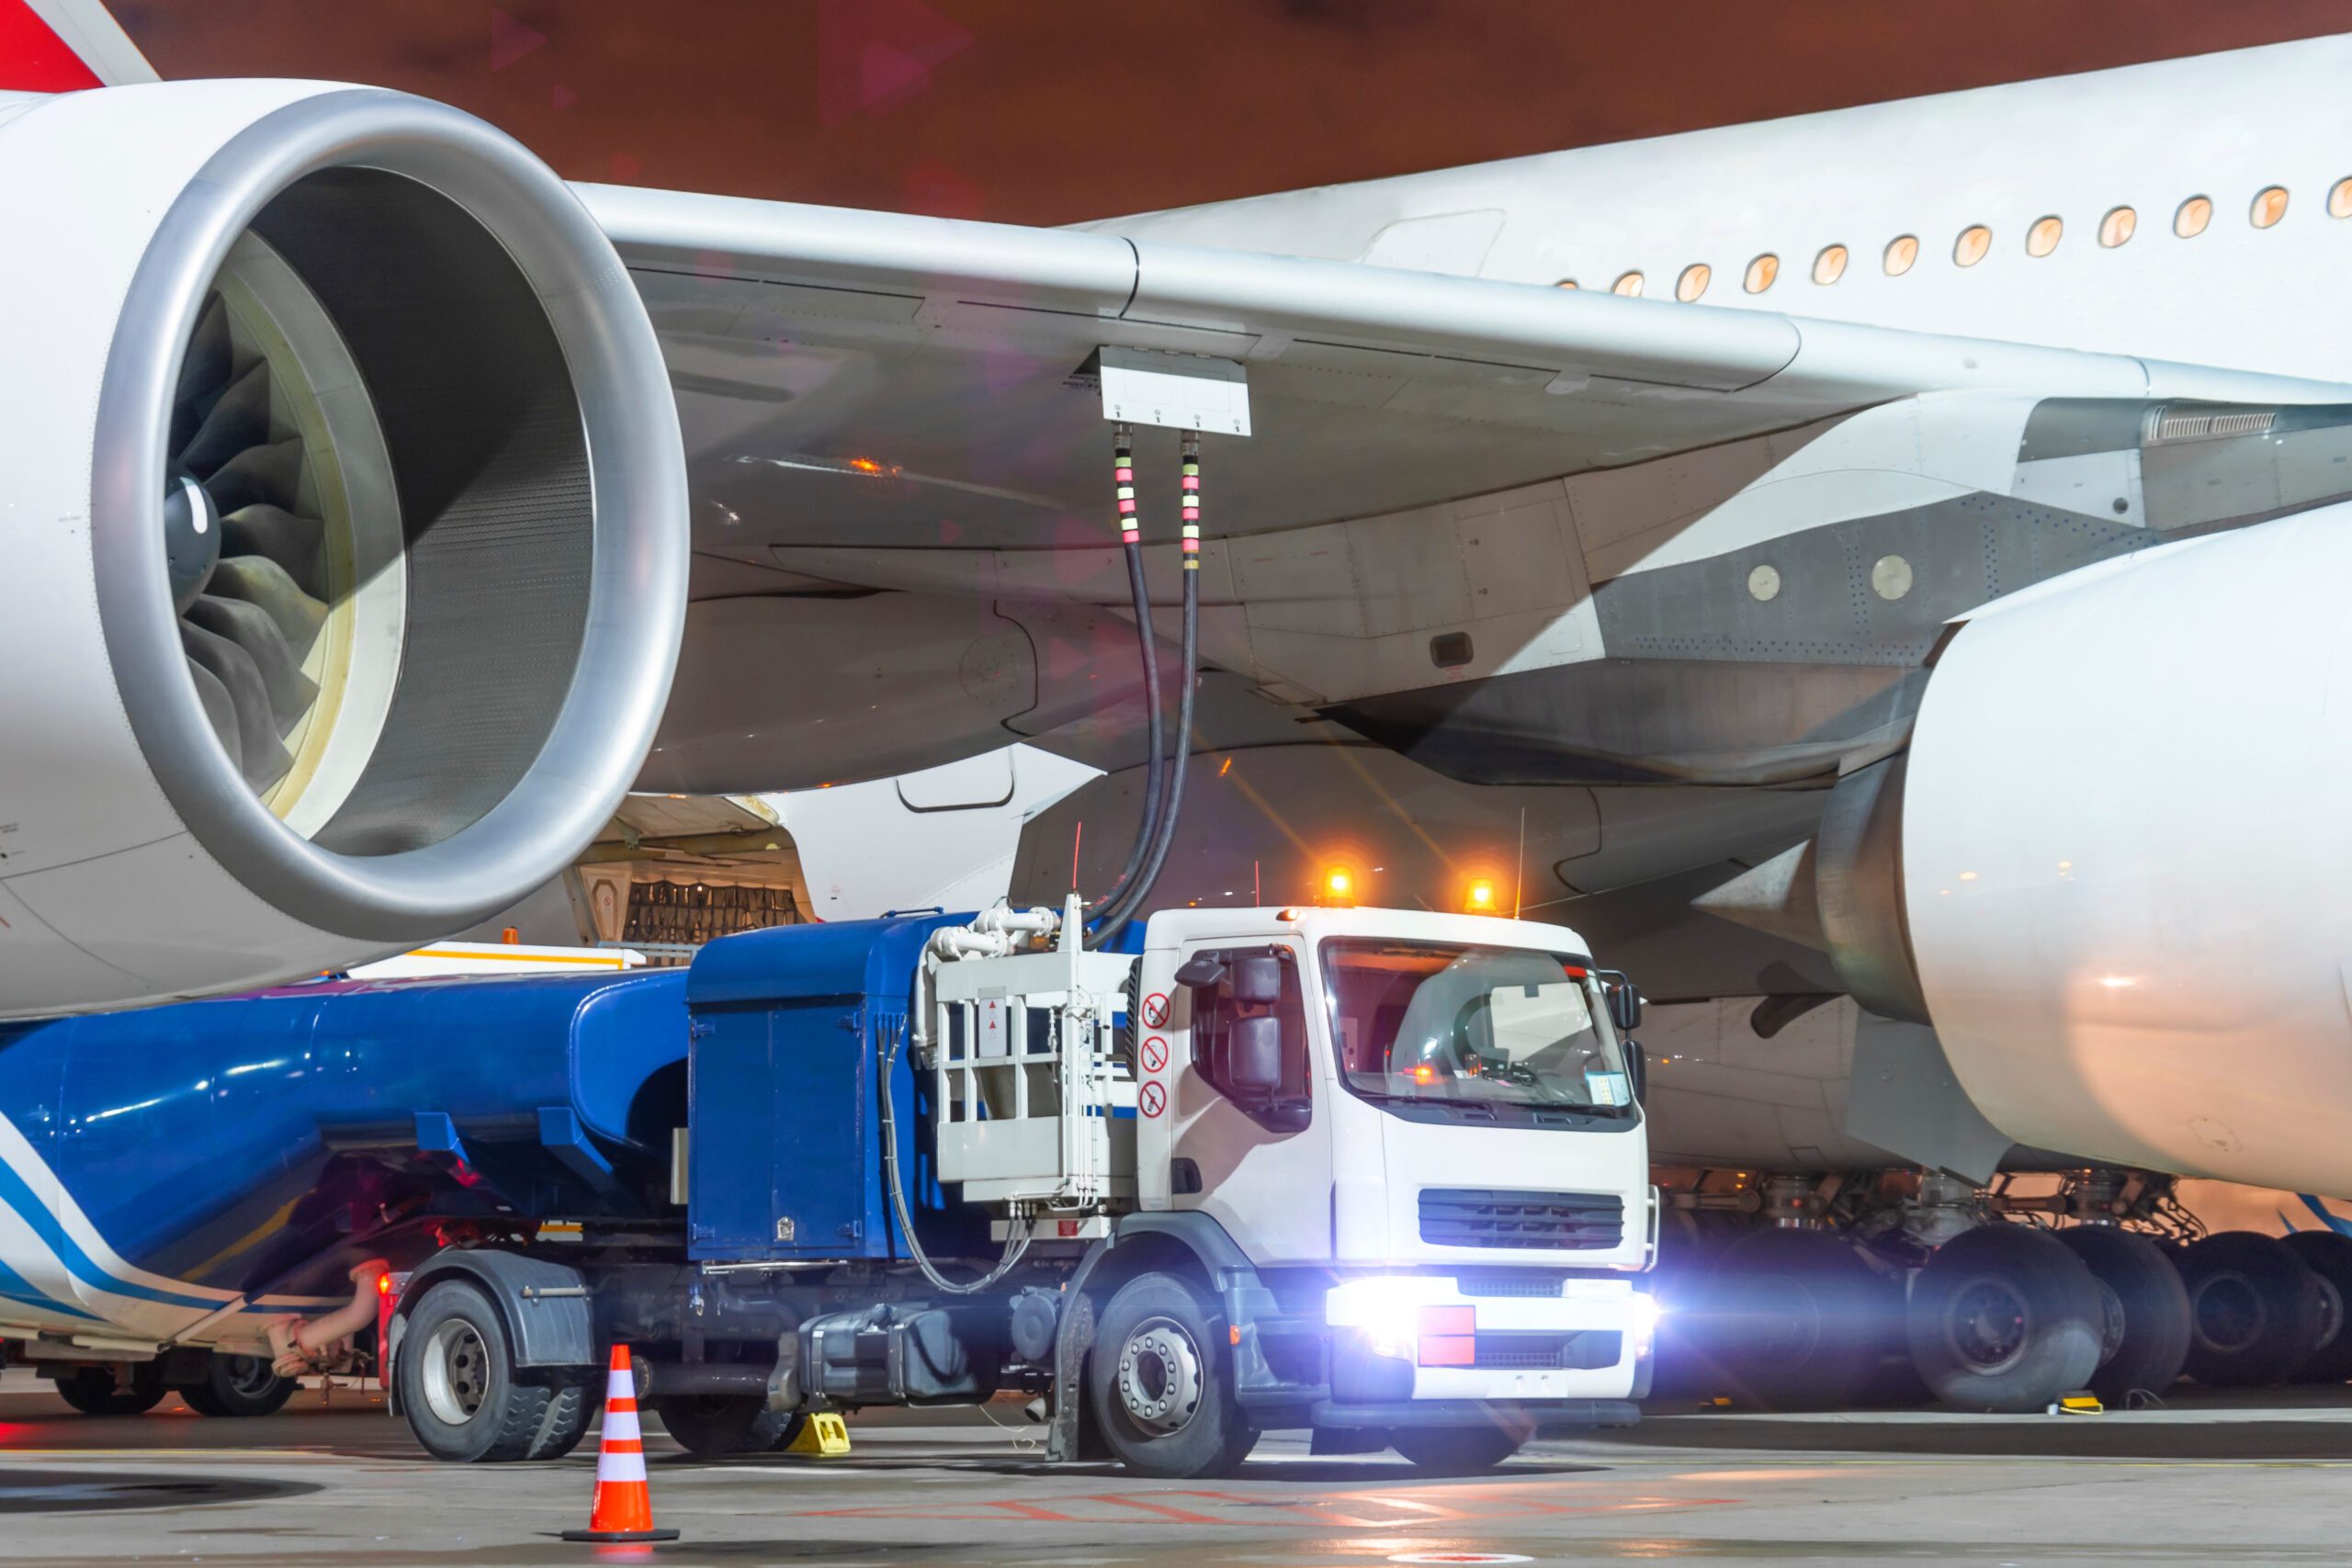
(2245, 1478)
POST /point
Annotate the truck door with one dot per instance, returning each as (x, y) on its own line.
(1258, 1159)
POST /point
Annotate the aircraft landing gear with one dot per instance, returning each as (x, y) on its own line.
(2146, 1331)
(2004, 1319)
(2257, 1311)
(2328, 1255)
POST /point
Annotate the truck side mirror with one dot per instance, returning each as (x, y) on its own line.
(1625, 1005)
(1637, 1071)
(1254, 1058)
(1258, 979)
(1200, 973)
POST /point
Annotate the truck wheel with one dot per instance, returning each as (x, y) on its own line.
(238, 1385)
(106, 1390)
(2329, 1256)
(2256, 1311)
(456, 1373)
(1796, 1319)
(1458, 1450)
(2003, 1318)
(2148, 1310)
(712, 1425)
(1162, 1377)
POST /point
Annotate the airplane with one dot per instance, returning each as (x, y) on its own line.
(1882, 558)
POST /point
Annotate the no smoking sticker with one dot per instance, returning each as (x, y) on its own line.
(1154, 1054)
(1152, 1100)
(1155, 1011)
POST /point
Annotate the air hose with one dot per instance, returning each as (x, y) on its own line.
(1131, 529)
(1015, 1245)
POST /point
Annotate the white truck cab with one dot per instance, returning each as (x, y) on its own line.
(1420, 1136)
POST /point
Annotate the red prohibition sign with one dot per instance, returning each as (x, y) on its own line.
(1152, 1100)
(1155, 1011)
(1154, 1054)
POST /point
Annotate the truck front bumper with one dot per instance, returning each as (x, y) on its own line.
(1421, 1340)
(1539, 1416)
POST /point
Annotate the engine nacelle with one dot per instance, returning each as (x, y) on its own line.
(2121, 887)
(346, 516)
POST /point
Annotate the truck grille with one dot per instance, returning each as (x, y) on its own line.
(1582, 1350)
(1478, 1216)
(1510, 1282)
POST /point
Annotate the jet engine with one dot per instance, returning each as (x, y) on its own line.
(2111, 868)
(346, 521)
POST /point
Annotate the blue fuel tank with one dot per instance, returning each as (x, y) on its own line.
(236, 1143)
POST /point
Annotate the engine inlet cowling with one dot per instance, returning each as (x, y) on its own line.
(347, 505)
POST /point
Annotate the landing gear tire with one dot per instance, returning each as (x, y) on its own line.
(2329, 1256)
(457, 1378)
(1795, 1319)
(106, 1391)
(2256, 1310)
(2148, 1333)
(1160, 1375)
(713, 1425)
(1458, 1450)
(2005, 1319)
(238, 1385)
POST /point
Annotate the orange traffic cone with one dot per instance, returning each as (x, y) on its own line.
(624, 1506)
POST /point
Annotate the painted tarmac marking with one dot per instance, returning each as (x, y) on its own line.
(1110, 1508)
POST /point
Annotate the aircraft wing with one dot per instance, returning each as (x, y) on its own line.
(854, 384)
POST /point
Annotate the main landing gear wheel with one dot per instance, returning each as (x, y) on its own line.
(1162, 1379)
(2328, 1255)
(113, 1390)
(2146, 1342)
(2256, 1310)
(1458, 1450)
(239, 1385)
(1796, 1319)
(457, 1378)
(713, 1425)
(2006, 1319)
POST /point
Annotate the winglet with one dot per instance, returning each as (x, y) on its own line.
(61, 46)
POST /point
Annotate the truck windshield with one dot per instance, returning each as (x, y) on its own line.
(1434, 1024)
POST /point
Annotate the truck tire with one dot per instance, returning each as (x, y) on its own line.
(2256, 1310)
(712, 1425)
(2144, 1294)
(2005, 1319)
(2328, 1255)
(1795, 1320)
(238, 1385)
(1458, 1450)
(455, 1373)
(106, 1390)
(1160, 1375)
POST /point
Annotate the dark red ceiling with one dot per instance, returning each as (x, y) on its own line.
(1046, 111)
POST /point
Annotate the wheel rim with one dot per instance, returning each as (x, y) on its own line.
(2115, 1321)
(247, 1375)
(457, 1372)
(1159, 1376)
(1784, 1321)
(2331, 1312)
(2228, 1314)
(1986, 1323)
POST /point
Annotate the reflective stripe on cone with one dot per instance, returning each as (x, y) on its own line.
(622, 1508)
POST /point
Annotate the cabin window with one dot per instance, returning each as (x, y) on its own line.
(1973, 243)
(1693, 281)
(1565, 283)
(2194, 214)
(2117, 226)
(1628, 283)
(2269, 206)
(2043, 237)
(1901, 252)
(1830, 264)
(2339, 199)
(1760, 273)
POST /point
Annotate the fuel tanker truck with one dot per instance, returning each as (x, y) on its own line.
(1378, 1174)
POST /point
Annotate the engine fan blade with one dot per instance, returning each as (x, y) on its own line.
(292, 542)
(257, 580)
(211, 357)
(238, 419)
(220, 709)
(271, 473)
(250, 627)
(264, 758)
